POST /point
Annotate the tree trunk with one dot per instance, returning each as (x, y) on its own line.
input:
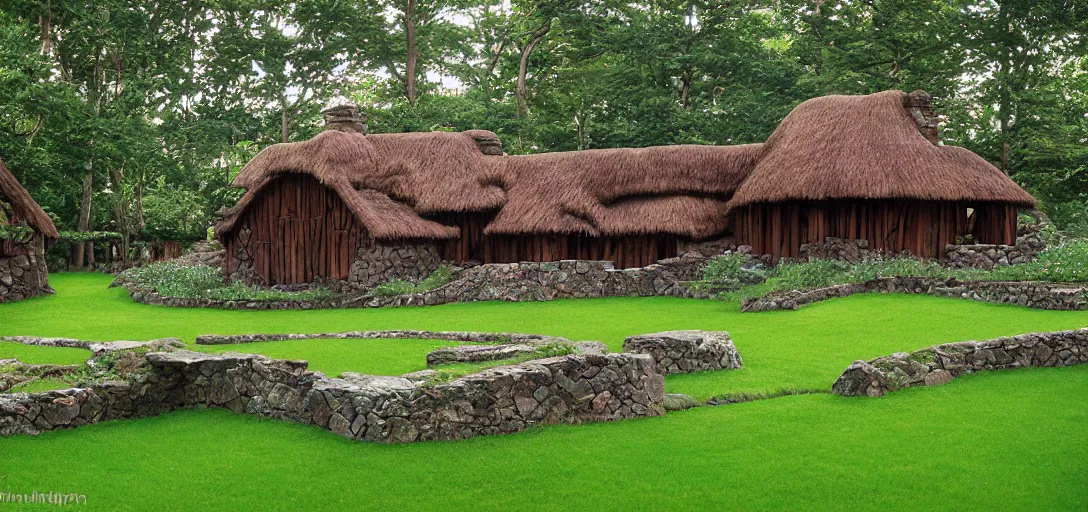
(285, 126)
(413, 53)
(685, 90)
(84, 223)
(120, 217)
(522, 90)
(47, 28)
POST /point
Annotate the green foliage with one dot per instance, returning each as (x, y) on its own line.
(396, 287)
(170, 279)
(90, 236)
(1067, 262)
(19, 233)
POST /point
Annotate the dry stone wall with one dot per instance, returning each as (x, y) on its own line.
(941, 363)
(1029, 294)
(989, 256)
(23, 276)
(522, 282)
(376, 264)
(568, 389)
(687, 351)
(517, 282)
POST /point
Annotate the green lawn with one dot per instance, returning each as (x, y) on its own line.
(1002, 440)
(804, 349)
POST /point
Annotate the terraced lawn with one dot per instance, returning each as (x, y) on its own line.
(1004, 440)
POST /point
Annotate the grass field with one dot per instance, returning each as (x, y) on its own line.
(997, 441)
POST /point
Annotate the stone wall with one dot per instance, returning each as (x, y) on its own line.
(1029, 294)
(377, 264)
(522, 282)
(842, 249)
(402, 334)
(568, 389)
(687, 351)
(989, 256)
(23, 276)
(517, 282)
(373, 264)
(941, 363)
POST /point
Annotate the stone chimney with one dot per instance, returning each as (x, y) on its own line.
(342, 114)
(488, 142)
(920, 105)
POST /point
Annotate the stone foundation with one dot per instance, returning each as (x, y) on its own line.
(516, 282)
(687, 351)
(23, 276)
(568, 389)
(374, 264)
(377, 264)
(523, 282)
(989, 256)
(1029, 294)
(941, 363)
(849, 250)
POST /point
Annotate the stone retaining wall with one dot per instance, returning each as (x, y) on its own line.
(988, 256)
(516, 282)
(687, 351)
(1030, 294)
(941, 363)
(377, 264)
(97, 348)
(522, 282)
(568, 389)
(22, 277)
(404, 334)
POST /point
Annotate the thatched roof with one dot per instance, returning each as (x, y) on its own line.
(347, 163)
(679, 190)
(24, 206)
(868, 147)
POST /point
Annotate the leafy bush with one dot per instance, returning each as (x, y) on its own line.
(811, 274)
(397, 287)
(1066, 262)
(901, 267)
(172, 280)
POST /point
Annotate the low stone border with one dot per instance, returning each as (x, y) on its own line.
(941, 363)
(97, 348)
(407, 334)
(514, 282)
(16, 373)
(687, 351)
(482, 353)
(568, 389)
(1037, 295)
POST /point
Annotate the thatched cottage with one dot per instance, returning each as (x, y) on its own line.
(367, 208)
(869, 168)
(25, 232)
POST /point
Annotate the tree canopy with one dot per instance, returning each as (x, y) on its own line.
(133, 116)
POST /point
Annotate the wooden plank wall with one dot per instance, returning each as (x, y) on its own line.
(995, 224)
(627, 252)
(921, 227)
(300, 231)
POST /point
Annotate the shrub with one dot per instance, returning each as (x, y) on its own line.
(1066, 262)
(396, 287)
(809, 274)
(172, 280)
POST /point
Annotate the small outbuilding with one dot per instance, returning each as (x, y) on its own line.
(26, 231)
(870, 168)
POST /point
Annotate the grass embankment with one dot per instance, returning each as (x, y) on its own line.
(997, 441)
(804, 349)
